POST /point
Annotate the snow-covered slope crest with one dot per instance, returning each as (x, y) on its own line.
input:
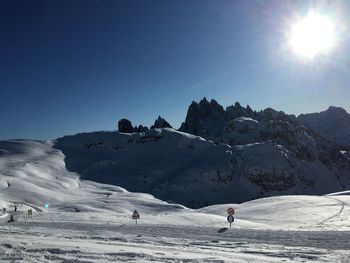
(302, 212)
(34, 173)
(187, 169)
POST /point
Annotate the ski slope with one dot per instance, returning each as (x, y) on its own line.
(91, 222)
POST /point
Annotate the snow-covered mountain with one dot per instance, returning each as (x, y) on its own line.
(242, 155)
(160, 123)
(171, 165)
(302, 152)
(333, 123)
(187, 169)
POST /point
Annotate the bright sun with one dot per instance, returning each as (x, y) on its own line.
(312, 35)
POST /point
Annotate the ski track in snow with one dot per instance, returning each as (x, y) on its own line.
(338, 214)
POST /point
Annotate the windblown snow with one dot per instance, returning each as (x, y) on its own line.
(91, 222)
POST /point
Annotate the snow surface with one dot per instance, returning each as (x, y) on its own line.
(91, 222)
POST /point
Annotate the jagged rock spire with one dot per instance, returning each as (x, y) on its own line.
(124, 125)
(160, 123)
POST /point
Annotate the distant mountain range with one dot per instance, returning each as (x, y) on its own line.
(333, 123)
(217, 156)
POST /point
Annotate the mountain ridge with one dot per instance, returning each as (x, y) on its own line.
(234, 155)
(333, 123)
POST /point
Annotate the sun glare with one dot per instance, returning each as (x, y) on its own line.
(313, 35)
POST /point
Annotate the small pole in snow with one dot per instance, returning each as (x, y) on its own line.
(230, 217)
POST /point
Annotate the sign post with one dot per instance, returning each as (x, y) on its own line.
(230, 217)
(135, 216)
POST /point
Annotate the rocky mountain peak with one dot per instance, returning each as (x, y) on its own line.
(236, 111)
(337, 110)
(209, 119)
(124, 125)
(202, 116)
(333, 123)
(160, 123)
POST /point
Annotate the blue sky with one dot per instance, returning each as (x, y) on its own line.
(73, 66)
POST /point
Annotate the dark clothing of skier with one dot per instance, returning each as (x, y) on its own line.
(11, 219)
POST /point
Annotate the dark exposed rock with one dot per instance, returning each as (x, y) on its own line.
(205, 119)
(236, 111)
(160, 123)
(124, 125)
(141, 128)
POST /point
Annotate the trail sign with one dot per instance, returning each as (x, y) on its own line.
(230, 219)
(231, 211)
(135, 216)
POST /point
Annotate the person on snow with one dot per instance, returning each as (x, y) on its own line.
(11, 219)
(15, 208)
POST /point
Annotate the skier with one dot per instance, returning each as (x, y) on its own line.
(15, 208)
(11, 219)
(30, 213)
